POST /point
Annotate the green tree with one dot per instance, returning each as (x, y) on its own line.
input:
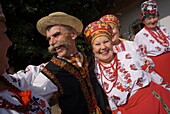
(29, 47)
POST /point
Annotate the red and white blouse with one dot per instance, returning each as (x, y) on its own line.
(123, 77)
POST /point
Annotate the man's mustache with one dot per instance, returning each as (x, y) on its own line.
(52, 48)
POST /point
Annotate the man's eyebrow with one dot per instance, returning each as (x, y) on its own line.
(54, 35)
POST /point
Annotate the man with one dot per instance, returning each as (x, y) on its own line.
(12, 99)
(67, 79)
(69, 69)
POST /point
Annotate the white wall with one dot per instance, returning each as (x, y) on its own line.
(132, 13)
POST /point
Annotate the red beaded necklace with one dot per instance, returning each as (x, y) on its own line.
(114, 75)
(160, 37)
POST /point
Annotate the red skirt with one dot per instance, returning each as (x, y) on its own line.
(162, 66)
(145, 102)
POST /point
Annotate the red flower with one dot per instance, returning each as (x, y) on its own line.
(25, 96)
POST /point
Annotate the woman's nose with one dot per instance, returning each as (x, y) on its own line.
(152, 19)
(103, 46)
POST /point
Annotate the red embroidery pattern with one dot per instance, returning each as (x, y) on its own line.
(133, 67)
(152, 41)
(145, 34)
(160, 37)
(128, 56)
(121, 88)
(115, 97)
(139, 82)
(52, 77)
(22, 95)
(79, 72)
(120, 47)
(142, 49)
(158, 48)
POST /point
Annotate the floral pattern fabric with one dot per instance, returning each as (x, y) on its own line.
(148, 45)
(129, 77)
(38, 104)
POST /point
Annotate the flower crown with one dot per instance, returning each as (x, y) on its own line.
(110, 18)
(96, 29)
(149, 8)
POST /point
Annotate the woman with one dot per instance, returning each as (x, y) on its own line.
(154, 41)
(12, 99)
(128, 87)
(120, 45)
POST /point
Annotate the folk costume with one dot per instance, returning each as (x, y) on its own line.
(78, 86)
(126, 83)
(155, 43)
(17, 100)
(125, 45)
(129, 88)
(13, 98)
(61, 81)
(68, 81)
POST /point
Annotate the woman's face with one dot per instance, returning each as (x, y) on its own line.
(116, 34)
(5, 43)
(151, 22)
(103, 49)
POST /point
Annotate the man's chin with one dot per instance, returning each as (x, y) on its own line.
(61, 52)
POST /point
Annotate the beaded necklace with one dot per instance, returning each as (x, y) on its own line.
(160, 37)
(114, 75)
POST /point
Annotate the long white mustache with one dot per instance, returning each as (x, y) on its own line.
(51, 48)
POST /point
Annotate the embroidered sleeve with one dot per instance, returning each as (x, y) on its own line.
(25, 78)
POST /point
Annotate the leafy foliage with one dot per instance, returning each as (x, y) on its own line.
(29, 47)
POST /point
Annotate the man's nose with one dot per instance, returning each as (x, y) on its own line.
(52, 41)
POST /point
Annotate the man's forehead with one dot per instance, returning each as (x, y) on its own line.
(59, 28)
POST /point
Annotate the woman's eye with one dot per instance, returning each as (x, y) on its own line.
(106, 41)
(97, 44)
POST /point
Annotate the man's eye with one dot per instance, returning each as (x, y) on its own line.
(56, 34)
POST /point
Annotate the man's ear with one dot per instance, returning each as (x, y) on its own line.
(74, 34)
